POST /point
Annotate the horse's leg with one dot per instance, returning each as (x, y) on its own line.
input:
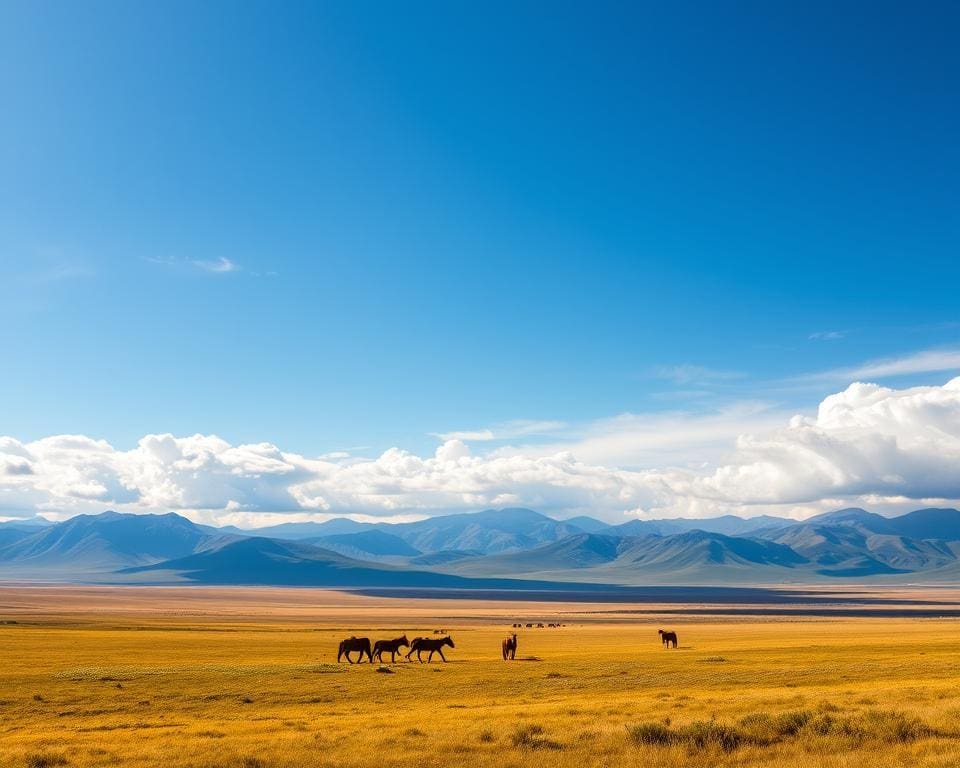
(440, 651)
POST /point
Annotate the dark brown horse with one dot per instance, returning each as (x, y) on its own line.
(389, 646)
(352, 644)
(509, 647)
(433, 645)
(667, 637)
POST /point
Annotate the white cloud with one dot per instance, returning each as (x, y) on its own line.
(827, 335)
(220, 265)
(867, 441)
(648, 440)
(509, 430)
(871, 445)
(473, 435)
(925, 361)
(693, 374)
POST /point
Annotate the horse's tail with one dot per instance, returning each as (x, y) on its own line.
(412, 647)
(340, 652)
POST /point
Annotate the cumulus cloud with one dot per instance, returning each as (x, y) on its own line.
(867, 444)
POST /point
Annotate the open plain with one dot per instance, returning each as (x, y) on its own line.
(247, 678)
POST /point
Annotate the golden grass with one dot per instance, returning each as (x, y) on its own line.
(213, 687)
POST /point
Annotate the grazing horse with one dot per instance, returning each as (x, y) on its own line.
(668, 637)
(433, 645)
(352, 644)
(510, 647)
(389, 646)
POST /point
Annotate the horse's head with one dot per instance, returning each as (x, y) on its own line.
(403, 641)
(448, 641)
(659, 631)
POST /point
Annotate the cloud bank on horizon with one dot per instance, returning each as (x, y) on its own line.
(870, 445)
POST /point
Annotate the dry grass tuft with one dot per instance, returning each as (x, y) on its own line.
(532, 737)
(762, 729)
(45, 761)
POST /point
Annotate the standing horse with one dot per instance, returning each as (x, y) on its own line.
(389, 646)
(509, 647)
(433, 645)
(668, 637)
(352, 644)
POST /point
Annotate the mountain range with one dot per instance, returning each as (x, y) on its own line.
(492, 549)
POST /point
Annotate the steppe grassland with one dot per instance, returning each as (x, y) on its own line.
(130, 689)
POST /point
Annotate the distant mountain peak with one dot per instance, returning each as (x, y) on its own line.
(847, 513)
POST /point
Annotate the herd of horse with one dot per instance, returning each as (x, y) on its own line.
(418, 645)
(432, 645)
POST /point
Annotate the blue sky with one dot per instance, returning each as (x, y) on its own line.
(351, 226)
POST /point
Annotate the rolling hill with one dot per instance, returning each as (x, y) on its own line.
(644, 559)
(256, 561)
(365, 545)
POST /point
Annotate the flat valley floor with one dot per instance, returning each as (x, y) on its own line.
(248, 678)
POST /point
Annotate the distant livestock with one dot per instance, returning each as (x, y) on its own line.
(667, 637)
(431, 645)
(509, 647)
(351, 644)
(389, 646)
